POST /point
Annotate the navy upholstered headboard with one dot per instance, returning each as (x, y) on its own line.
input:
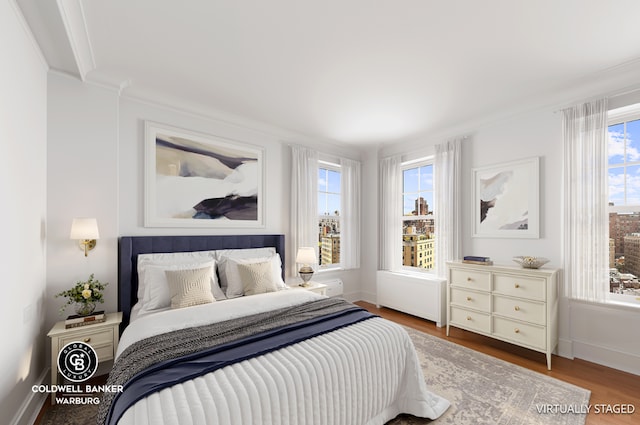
(130, 246)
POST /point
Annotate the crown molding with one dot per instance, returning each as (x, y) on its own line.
(29, 33)
(75, 24)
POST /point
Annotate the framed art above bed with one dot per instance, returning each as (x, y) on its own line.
(198, 180)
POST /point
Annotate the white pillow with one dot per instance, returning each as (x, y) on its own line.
(222, 255)
(230, 276)
(167, 258)
(190, 287)
(257, 278)
(266, 251)
(157, 295)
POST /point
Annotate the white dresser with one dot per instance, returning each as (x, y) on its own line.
(511, 304)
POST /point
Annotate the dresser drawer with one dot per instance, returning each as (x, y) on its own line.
(517, 308)
(520, 333)
(476, 300)
(471, 279)
(523, 287)
(471, 319)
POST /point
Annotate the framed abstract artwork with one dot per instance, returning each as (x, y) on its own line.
(198, 180)
(506, 200)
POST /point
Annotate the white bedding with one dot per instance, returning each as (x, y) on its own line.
(365, 373)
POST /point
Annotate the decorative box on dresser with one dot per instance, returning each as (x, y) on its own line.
(512, 304)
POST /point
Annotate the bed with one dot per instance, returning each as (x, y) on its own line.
(258, 353)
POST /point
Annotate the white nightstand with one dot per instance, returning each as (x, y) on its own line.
(317, 287)
(102, 337)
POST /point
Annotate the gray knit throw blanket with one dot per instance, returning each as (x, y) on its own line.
(147, 352)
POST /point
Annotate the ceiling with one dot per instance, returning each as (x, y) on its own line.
(352, 71)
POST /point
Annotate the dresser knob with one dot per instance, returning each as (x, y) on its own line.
(516, 308)
(468, 298)
(516, 330)
(469, 279)
(517, 285)
(87, 340)
(468, 317)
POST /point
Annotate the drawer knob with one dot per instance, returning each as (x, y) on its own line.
(468, 298)
(517, 285)
(87, 340)
(516, 308)
(469, 279)
(516, 330)
(468, 317)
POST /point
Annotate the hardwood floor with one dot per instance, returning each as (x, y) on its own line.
(609, 387)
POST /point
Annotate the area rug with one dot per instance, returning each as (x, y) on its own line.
(486, 390)
(481, 389)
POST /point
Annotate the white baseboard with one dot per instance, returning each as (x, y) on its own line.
(626, 362)
(30, 408)
(565, 348)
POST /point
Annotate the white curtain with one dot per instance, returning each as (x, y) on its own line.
(390, 214)
(304, 202)
(586, 219)
(447, 185)
(350, 215)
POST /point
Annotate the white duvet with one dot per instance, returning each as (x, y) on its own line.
(365, 373)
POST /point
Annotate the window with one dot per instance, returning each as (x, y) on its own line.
(624, 204)
(417, 215)
(328, 214)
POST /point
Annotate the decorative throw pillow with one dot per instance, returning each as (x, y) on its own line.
(190, 287)
(230, 277)
(157, 295)
(257, 278)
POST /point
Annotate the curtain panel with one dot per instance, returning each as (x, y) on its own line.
(585, 218)
(304, 202)
(350, 203)
(390, 226)
(447, 185)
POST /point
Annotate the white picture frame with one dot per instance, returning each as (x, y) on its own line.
(199, 180)
(506, 200)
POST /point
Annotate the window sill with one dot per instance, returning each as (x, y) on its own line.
(612, 303)
(426, 275)
(329, 270)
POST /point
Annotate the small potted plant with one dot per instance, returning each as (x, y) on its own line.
(84, 295)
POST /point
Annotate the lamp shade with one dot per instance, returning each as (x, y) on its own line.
(84, 228)
(306, 255)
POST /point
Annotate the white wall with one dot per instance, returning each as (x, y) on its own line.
(81, 182)
(604, 334)
(96, 169)
(23, 150)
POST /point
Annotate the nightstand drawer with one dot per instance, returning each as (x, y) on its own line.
(524, 287)
(471, 279)
(94, 339)
(476, 300)
(470, 319)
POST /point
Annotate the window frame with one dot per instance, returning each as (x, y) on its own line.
(614, 117)
(330, 166)
(404, 166)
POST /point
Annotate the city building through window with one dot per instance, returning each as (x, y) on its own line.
(624, 205)
(418, 240)
(329, 215)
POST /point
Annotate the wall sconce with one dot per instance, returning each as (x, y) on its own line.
(85, 230)
(306, 256)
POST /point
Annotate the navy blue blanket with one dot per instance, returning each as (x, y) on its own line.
(174, 371)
